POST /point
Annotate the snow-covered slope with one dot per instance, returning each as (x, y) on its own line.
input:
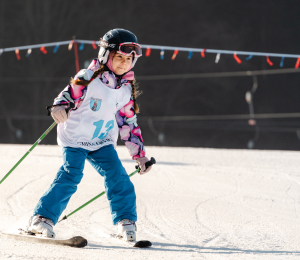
(195, 204)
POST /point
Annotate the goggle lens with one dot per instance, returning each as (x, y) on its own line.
(129, 48)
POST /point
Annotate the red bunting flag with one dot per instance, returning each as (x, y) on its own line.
(43, 50)
(203, 53)
(270, 62)
(237, 58)
(297, 63)
(174, 54)
(17, 54)
(94, 45)
(148, 51)
(70, 45)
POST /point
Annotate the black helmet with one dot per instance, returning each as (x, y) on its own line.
(122, 41)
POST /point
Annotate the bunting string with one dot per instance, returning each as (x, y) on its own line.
(176, 50)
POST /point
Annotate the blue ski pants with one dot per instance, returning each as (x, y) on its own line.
(119, 189)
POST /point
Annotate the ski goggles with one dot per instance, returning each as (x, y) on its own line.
(127, 48)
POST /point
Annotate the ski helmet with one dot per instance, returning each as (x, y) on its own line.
(122, 41)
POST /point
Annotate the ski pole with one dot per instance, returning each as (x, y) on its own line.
(151, 162)
(34, 145)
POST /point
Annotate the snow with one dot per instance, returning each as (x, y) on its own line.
(195, 204)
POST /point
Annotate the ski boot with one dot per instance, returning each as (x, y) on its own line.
(126, 230)
(41, 226)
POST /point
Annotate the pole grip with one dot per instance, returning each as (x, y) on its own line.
(71, 105)
(147, 164)
(151, 162)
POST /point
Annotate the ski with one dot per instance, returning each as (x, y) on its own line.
(140, 243)
(25, 236)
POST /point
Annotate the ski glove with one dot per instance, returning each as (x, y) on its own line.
(59, 114)
(141, 162)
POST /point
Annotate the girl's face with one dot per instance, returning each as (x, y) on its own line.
(121, 63)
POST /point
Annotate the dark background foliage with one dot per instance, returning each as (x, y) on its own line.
(28, 85)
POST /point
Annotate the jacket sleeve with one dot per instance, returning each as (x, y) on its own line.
(71, 94)
(76, 93)
(130, 132)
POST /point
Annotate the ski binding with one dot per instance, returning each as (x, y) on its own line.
(133, 243)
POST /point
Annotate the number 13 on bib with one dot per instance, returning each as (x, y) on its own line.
(99, 124)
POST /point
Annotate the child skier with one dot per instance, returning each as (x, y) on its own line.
(103, 101)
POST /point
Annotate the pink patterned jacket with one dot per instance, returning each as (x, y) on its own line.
(126, 118)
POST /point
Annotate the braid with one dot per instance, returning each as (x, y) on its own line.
(86, 82)
(135, 94)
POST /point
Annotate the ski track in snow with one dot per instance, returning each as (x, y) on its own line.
(195, 204)
(16, 197)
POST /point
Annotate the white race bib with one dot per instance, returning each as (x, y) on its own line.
(93, 124)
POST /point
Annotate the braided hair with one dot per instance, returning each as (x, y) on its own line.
(135, 94)
(83, 82)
